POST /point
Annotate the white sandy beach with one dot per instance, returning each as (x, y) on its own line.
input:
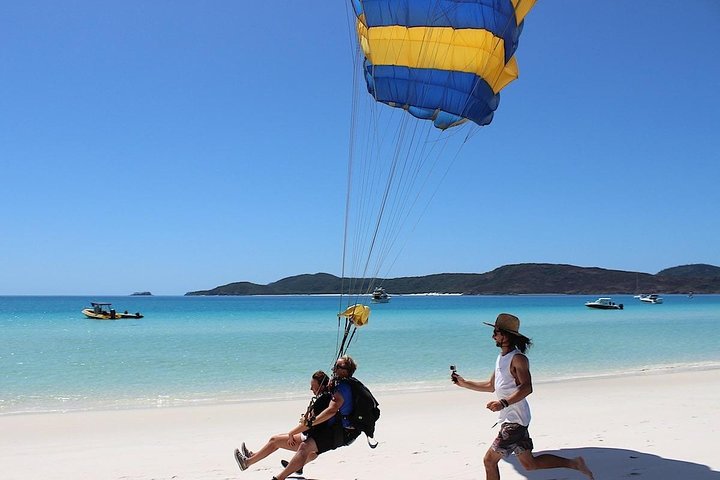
(651, 426)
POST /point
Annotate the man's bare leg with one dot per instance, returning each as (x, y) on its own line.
(491, 460)
(276, 442)
(307, 452)
(547, 460)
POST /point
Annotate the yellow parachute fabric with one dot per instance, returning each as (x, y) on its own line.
(358, 314)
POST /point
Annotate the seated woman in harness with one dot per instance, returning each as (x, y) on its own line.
(319, 384)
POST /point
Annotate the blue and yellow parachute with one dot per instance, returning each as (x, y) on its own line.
(441, 60)
(444, 62)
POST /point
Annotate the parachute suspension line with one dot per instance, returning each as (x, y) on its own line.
(401, 208)
(345, 344)
(349, 284)
(352, 26)
(374, 173)
(341, 345)
(366, 182)
(354, 329)
(348, 193)
(383, 203)
(428, 202)
(411, 206)
(371, 181)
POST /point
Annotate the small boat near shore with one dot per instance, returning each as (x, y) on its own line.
(104, 311)
(604, 303)
(379, 295)
(652, 298)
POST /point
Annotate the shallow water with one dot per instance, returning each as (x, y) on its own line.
(190, 350)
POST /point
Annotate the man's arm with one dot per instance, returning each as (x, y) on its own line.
(335, 403)
(478, 386)
(520, 370)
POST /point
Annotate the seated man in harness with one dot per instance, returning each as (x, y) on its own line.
(339, 431)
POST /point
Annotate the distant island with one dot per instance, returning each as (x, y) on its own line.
(141, 294)
(519, 279)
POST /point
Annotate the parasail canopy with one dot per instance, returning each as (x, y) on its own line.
(441, 60)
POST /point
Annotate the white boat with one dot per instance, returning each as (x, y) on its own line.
(605, 303)
(652, 298)
(380, 296)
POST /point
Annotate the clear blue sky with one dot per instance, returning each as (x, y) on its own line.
(173, 145)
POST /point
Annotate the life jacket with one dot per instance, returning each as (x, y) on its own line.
(365, 412)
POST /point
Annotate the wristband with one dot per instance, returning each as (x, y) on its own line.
(504, 402)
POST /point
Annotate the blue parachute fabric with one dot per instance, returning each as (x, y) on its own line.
(496, 16)
(443, 96)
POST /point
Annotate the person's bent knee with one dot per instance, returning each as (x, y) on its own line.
(527, 461)
(276, 439)
(491, 458)
(307, 448)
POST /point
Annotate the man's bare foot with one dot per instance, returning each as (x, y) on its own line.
(582, 467)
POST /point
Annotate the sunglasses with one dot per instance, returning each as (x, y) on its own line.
(340, 367)
(496, 331)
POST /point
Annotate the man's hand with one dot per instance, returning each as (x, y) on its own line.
(494, 406)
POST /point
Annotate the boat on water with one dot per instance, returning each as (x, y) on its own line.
(604, 303)
(652, 298)
(379, 295)
(104, 311)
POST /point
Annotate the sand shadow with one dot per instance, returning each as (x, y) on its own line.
(618, 463)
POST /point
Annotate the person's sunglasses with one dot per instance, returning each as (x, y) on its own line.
(340, 367)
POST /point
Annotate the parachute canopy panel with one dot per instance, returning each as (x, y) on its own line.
(357, 314)
(441, 60)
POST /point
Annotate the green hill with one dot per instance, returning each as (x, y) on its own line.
(525, 278)
(697, 270)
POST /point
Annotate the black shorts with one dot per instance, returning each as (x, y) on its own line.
(512, 438)
(332, 437)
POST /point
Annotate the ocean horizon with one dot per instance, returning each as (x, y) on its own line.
(194, 350)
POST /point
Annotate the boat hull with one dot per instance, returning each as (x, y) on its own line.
(88, 312)
(604, 307)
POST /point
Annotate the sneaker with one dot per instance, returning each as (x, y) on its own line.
(245, 451)
(285, 463)
(241, 460)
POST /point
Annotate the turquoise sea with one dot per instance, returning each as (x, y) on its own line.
(202, 350)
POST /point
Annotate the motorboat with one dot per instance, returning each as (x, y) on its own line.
(604, 303)
(379, 295)
(652, 298)
(104, 311)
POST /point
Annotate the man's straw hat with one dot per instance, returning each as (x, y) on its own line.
(507, 323)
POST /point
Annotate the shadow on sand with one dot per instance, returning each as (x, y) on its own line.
(616, 463)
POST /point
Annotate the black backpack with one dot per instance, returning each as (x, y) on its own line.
(365, 411)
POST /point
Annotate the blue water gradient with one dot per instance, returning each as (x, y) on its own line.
(193, 350)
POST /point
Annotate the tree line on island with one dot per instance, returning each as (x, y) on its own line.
(525, 278)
